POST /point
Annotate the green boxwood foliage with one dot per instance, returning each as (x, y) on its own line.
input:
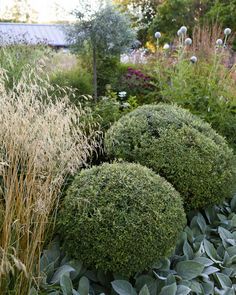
(120, 217)
(180, 147)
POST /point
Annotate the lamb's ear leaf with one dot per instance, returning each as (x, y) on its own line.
(123, 287)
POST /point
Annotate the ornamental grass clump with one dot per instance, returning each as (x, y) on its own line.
(42, 140)
(180, 147)
(120, 217)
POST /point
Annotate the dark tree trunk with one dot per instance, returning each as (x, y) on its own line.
(95, 79)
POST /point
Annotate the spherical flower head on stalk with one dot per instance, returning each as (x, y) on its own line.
(188, 41)
(219, 42)
(166, 47)
(193, 59)
(179, 33)
(227, 31)
(157, 35)
(183, 30)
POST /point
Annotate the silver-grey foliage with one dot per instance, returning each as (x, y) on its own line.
(106, 32)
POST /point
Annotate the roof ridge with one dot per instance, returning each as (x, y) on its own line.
(26, 24)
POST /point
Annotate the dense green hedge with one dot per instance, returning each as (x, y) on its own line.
(120, 217)
(180, 147)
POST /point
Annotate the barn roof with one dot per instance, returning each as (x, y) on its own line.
(51, 34)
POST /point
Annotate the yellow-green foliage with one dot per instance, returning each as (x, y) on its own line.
(180, 147)
(120, 217)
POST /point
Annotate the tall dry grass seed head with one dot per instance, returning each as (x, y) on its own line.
(41, 142)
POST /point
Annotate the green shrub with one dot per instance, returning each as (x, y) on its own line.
(120, 217)
(110, 72)
(77, 78)
(207, 87)
(180, 147)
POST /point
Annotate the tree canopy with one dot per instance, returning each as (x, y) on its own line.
(167, 16)
(106, 32)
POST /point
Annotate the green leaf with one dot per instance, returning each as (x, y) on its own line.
(223, 280)
(208, 287)
(144, 291)
(163, 264)
(78, 266)
(196, 287)
(210, 270)
(201, 222)
(66, 284)
(211, 214)
(147, 280)
(203, 260)
(188, 251)
(91, 275)
(83, 286)
(52, 254)
(231, 251)
(183, 290)
(189, 269)
(60, 272)
(169, 290)
(233, 204)
(170, 279)
(211, 251)
(226, 236)
(229, 291)
(233, 221)
(228, 271)
(123, 287)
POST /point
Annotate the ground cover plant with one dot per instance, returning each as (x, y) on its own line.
(42, 141)
(181, 147)
(202, 263)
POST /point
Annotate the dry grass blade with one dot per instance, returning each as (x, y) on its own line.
(41, 142)
(204, 42)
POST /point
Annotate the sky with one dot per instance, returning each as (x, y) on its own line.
(46, 9)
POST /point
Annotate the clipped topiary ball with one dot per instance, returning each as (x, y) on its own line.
(180, 147)
(120, 218)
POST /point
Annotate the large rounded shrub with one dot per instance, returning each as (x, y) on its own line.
(120, 217)
(180, 147)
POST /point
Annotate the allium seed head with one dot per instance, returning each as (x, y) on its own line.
(227, 31)
(183, 30)
(219, 42)
(166, 46)
(188, 41)
(193, 59)
(179, 33)
(157, 35)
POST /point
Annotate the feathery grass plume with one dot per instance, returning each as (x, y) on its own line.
(42, 141)
(205, 38)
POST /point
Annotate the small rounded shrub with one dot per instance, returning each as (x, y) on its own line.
(180, 147)
(120, 217)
